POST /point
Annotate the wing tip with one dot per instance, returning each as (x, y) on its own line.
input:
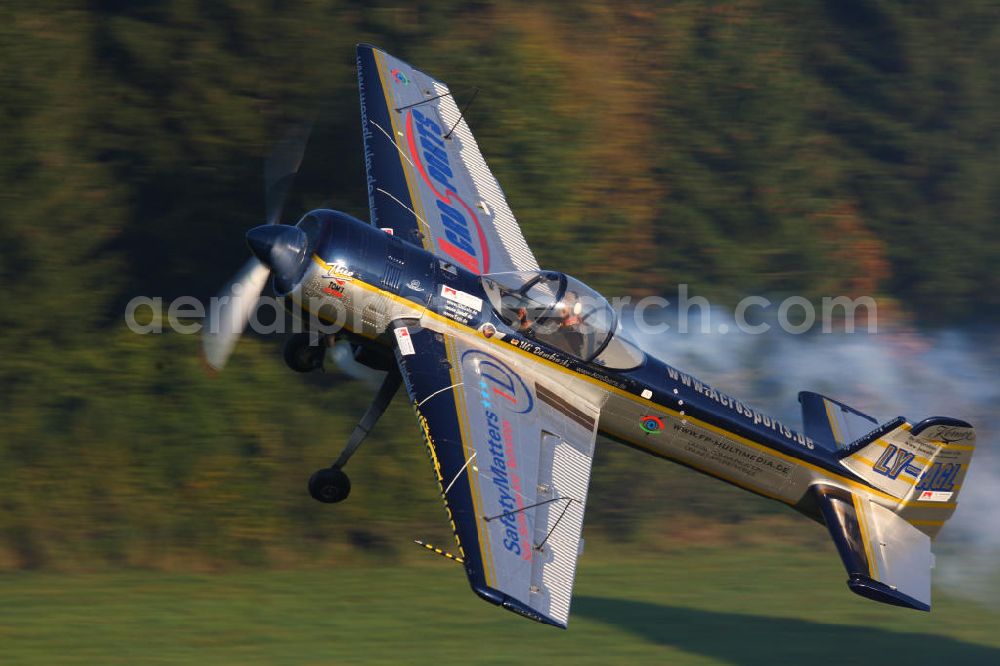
(363, 46)
(508, 602)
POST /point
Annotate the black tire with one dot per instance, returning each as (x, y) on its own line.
(329, 485)
(301, 356)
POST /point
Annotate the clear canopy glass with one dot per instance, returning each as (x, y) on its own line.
(559, 311)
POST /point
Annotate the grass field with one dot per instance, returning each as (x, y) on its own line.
(699, 606)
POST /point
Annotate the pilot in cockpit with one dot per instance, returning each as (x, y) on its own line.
(568, 311)
(523, 323)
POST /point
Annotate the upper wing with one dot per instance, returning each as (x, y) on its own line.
(513, 460)
(427, 180)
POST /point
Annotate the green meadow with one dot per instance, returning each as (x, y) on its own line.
(750, 605)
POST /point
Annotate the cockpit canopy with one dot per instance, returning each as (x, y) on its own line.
(561, 312)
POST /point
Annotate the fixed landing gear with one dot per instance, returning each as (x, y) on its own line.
(330, 485)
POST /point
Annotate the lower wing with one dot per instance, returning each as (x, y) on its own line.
(512, 456)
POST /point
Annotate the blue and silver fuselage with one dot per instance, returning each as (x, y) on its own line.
(362, 279)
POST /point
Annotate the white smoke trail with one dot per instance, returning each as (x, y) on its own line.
(949, 373)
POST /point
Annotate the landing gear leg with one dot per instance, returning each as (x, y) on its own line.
(330, 484)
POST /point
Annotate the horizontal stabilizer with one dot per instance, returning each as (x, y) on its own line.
(887, 559)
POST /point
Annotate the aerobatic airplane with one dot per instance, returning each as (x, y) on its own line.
(513, 371)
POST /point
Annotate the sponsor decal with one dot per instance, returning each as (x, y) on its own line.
(339, 270)
(404, 341)
(895, 461)
(543, 352)
(506, 480)
(503, 381)
(399, 77)
(953, 435)
(743, 410)
(388, 230)
(488, 330)
(599, 376)
(727, 455)
(932, 448)
(415, 285)
(335, 288)
(560, 359)
(464, 240)
(651, 425)
(502, 391)
(935, 496)
(459, 305)
(462, 298)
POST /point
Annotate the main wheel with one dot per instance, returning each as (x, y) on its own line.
(329, 485)
(301, 356)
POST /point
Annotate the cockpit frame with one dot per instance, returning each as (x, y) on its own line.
(557, 310)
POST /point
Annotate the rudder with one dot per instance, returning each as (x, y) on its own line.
(924, 465)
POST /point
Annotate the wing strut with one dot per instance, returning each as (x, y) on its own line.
(462, 114)
(450, 93)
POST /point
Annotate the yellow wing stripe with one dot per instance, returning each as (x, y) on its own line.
(484, 543)
(919, 459)
(418, 206)
(834, 427)
(865, 538)
(431, 449)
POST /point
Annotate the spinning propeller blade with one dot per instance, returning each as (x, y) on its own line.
(225, 322)
(281, 167)
(237, 301)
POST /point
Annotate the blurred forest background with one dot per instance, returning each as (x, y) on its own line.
(847, 147)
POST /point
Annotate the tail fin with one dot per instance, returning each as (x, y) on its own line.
(923, 465)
